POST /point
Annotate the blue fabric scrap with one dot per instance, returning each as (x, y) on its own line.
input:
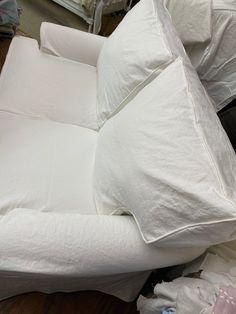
(9, 12)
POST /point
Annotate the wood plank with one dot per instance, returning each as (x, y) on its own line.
(86, 302)
(4, 46)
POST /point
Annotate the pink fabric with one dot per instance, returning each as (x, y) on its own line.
(226, 301)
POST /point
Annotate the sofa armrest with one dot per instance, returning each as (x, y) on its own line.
(70, 43)
(90, 245)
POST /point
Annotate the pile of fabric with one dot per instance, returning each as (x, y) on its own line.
(207, 286)
(9, 17)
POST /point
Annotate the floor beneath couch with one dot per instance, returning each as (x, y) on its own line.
(36, 11)
(63, 303)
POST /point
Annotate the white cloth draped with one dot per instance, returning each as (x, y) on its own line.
(198, 294)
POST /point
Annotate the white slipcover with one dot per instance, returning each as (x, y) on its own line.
(192, 19)
(51, 238)
(143, 44)
(47, 87)
(45, 165)
(166, 159)
(52, 252)
(70, 44)
(215, 61)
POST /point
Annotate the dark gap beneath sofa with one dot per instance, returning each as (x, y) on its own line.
(228, 119)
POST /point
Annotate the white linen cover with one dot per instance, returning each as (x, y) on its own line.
(166, 159)
(192, 19)
(35, 84)
(45, 165)
(215, 61)
(51, 238)
(70, 43)
(143, 44)
(52, 252)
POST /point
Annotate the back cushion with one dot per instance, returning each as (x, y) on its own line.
(166, 159)
(144, 43)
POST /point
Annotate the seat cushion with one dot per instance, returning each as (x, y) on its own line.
(39, 85)
(166, 159)
(143, 44)
(45, 165)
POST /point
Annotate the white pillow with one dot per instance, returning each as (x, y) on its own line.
(166, 159)
(144, 43)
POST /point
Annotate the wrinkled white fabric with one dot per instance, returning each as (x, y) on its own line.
(136, 52)
(191, 295)
(199, 299)
(215, 61)
(226, 250)
(45, 165)
(48, 252)
(50, 236)
(166, 159)
(192, 19)
(183, 294)
(39, 85)
(70, 43)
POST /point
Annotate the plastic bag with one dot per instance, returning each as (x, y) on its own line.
(8, 12)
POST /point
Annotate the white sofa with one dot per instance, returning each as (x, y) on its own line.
(52, 135)
(72, 248)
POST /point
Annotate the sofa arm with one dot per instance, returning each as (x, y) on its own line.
(88, 245)
(70, 43)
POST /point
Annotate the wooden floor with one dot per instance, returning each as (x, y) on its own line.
(4, 45)
(62, 303)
